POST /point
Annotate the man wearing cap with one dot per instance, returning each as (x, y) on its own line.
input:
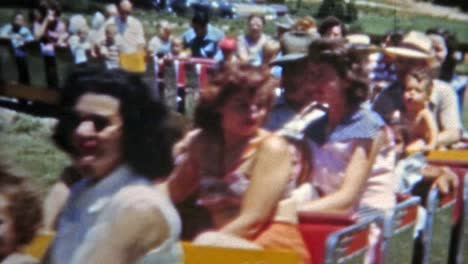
(415, 51)
(296, 94)
(202, 39)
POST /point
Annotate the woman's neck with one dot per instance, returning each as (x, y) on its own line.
(336, 116)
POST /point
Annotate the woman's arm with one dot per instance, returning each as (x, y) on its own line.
(431, 129)
(356, 174)
(268, 181)
(184, 179)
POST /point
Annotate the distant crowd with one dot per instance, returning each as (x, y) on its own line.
(312, 120)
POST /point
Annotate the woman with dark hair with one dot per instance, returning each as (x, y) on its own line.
(332, 27)
(238, 171)
(20, 215)
(120, 141)
(352, 168)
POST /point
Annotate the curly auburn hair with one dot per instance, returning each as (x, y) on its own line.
(24, 205)
(227, 82)
(345, 59)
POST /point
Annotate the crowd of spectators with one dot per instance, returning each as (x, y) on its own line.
(257, 155)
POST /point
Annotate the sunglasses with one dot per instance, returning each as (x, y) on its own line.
(99, 122)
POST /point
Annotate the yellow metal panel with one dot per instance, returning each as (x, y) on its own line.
(195, 254)
(39, 245)
(134, 62)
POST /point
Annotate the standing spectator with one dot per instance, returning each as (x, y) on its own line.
(415, 51)
(202, 38)
(111, 10)
(249, 45)
(109, 48)
(97, 24)
(51, 32)
(128, 27)
(80, 46)
(446, 44)
(19, 34)
(20, 215)
(161, 43)
(332, 27)
(120, 140)
(228, 47)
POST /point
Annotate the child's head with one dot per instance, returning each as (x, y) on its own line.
(111, 31)
(270, 50)
(177, 46)
(228, 45)
(164, 30)
(83, 32)
(417, 86)
(20, 211)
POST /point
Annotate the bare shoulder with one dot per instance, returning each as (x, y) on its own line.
(273, 143)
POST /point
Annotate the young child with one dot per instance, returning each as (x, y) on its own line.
(418, 119)
(228, 47)
(20, 216)
(177, 49)
(80, 45)
(109, 47)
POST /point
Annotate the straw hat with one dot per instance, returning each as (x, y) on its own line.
(294, 46)
(415, 45)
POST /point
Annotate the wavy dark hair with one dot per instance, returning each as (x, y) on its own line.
(345, 59)
(227, 82)
(148, 134)
(24, 203)
(330, 22)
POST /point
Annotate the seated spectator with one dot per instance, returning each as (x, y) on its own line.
(306, 24)
(249, 45)
(419, 120)
(295, 96)
(445, 45)
(161, 43)
(20, 216)
(80, 46)
(284, 24)
(228, 47)
(415, 51)
(229, 160)
(110, 47)
(19, 35)
(202, 38)
(332, 27)
(120, 141)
